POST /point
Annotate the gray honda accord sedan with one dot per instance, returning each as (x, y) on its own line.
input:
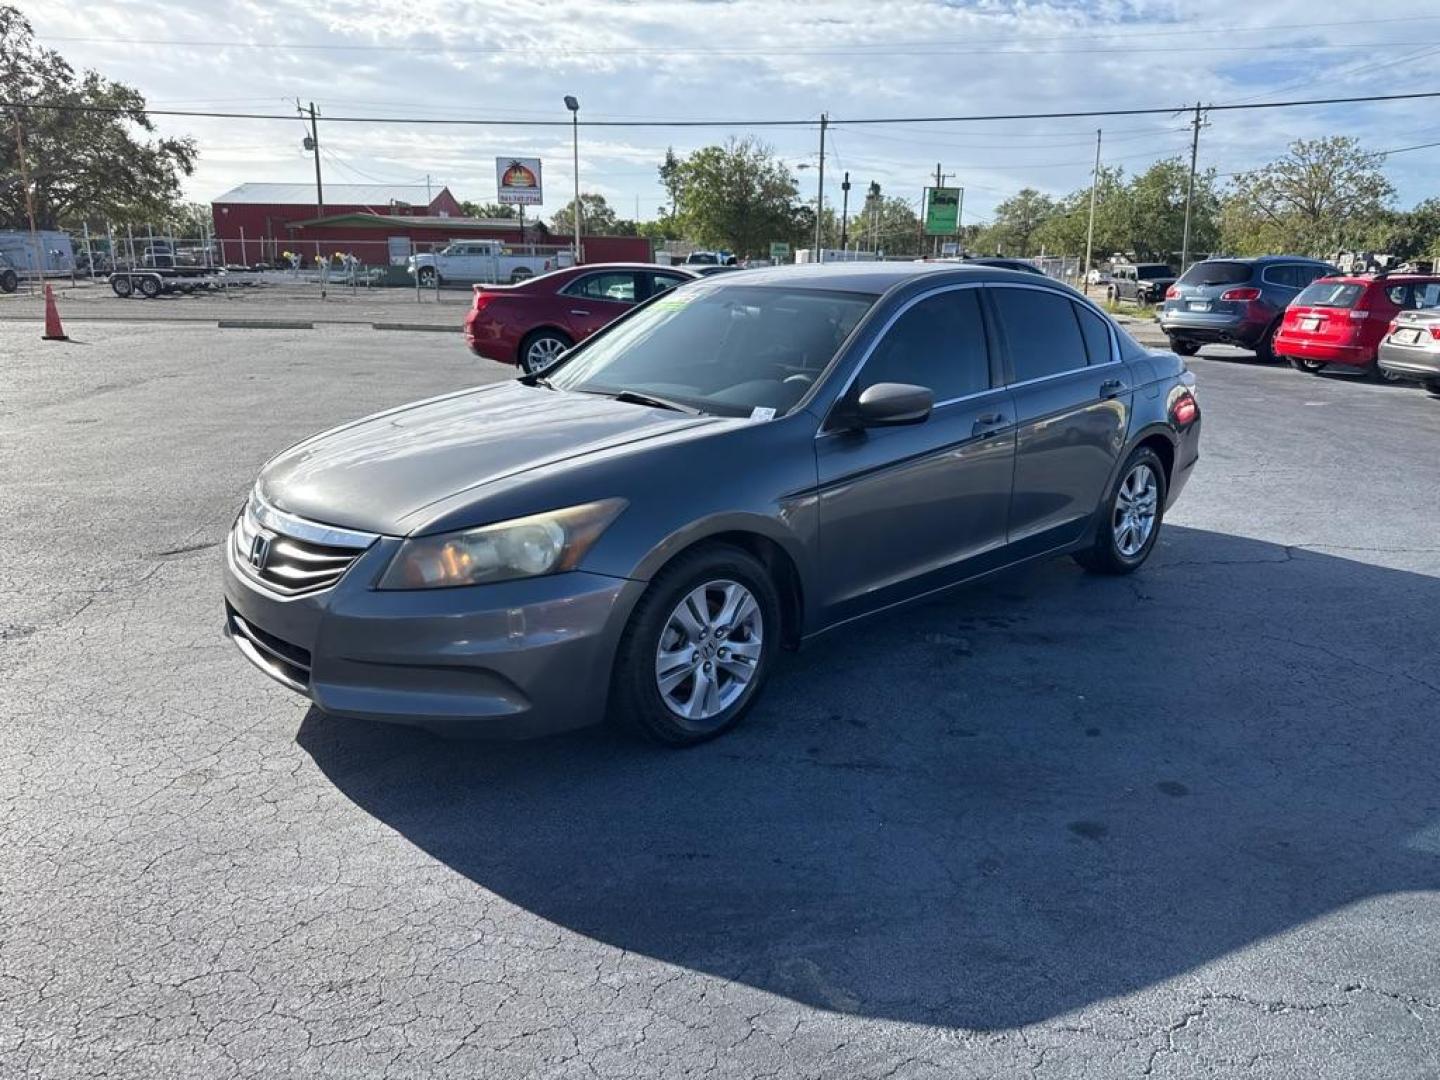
(732, 468)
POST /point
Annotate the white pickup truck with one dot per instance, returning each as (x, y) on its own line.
(470, 262)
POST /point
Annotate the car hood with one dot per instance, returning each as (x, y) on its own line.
(376, 473)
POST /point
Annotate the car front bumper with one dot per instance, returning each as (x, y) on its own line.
(512, 660)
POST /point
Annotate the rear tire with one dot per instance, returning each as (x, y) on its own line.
(1433, 386)
(9, 281)
(657, 650)
(540, 350)
(1265, 347)
(521, 273)
(1130, 518)
(1183, 348)
(1310, 367)
(427, 276)
(150, 286)
(1376, 373)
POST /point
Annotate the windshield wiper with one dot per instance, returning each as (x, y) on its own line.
(634, 397)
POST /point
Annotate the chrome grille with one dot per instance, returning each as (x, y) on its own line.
(289, 555)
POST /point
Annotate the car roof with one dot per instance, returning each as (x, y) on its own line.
(868, 277)
(1256, 260)
(1379, 279)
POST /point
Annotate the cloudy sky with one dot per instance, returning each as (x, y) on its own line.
(755, 60)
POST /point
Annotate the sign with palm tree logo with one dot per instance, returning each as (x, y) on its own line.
(517, 181)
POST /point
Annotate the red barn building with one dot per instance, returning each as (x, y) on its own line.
(260, 214)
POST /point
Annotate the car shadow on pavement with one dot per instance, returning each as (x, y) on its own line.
(985, 811)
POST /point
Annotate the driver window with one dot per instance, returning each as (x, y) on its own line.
(938, 343)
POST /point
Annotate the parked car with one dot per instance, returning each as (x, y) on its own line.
(1235, 301)
(1097, 277)
(1411, 346)
(532, 323)
(1023, 265)
(706, 270)
(1341, 320)
(709, 258)
(717, 475)
(1141, 283)
(470, 261)
(9, 279)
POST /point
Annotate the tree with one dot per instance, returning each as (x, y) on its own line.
(489, 210)
(1324, 195)
(670, 178)
(1018, 219)
(596, 217)
(1066, 230)
(1155, 220)
(738, 196)
(82, 165)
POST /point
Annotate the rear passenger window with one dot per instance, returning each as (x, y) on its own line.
(1096, 333)
(939, 343)
(1041, 331)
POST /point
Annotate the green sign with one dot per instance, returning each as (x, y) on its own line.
(942, 211)
(779, 250)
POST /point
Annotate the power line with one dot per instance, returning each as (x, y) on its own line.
(806, 122)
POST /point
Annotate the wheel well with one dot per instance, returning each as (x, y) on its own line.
(1165, 451)
(782, 570)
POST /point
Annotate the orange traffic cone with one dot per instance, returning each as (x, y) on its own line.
(53, 331)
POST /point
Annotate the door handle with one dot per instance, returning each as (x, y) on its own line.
(577, 311)
(1111, 388)
(988, 425)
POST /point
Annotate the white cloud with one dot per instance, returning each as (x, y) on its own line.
(757, 59)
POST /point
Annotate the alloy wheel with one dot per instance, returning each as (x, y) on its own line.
(1136, 505)
(543, 352)
(709, 650)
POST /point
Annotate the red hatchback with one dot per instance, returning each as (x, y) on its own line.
(1342, 319)
(532, 323)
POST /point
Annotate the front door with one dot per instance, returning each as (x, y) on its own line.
(1072, 406)
(904, 510)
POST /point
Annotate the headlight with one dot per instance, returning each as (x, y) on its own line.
(525, 547)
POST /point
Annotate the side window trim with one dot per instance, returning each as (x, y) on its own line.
(990, 348)
(1010, 383)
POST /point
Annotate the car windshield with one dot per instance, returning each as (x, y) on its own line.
(719, 348)
(1216, 273)
(1152, 271)
(1333, 294)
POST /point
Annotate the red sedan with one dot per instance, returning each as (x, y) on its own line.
(532, 323)
(1342, 319)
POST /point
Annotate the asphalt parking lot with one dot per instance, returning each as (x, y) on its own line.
(1185, 823)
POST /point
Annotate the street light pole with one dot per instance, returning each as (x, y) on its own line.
(820, 187)
(845, 211)
(573, 104)
(1090, 229)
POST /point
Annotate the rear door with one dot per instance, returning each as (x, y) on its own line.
(595, 300)
(1072, 400)
(904, 510)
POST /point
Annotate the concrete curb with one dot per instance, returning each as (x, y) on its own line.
(264, 324)
(414, 326)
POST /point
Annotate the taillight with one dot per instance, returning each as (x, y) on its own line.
(482, 298)
(1245, 293)
(1435, 332)
(1183, 409)
(1172, 292)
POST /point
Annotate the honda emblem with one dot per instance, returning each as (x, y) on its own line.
(259, 551)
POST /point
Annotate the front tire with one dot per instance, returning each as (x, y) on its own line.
(1130, 519)
(540, 350)
(698, 647)
(9, 281)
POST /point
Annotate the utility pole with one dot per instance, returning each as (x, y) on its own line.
(1090, 230)
(1190, 190)
(428, 197)
(820, 187)
(939, 183)
(845, 211)
(39, 267)
(875, 216)
(315, 148)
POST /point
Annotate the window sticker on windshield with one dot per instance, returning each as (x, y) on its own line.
(760, 412)
(674, 301)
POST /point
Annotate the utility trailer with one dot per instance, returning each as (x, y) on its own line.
(150, 282)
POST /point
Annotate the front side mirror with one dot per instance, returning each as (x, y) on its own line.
(892, 404)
